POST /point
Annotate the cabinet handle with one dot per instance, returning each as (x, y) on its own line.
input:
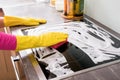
(14, 59)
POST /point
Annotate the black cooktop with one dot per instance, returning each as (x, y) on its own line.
(95, 46)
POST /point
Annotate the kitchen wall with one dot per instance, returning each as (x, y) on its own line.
(106, 12)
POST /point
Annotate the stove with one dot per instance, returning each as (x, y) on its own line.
(60, 61)
(88, 46)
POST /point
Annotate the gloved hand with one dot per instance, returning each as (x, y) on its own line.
(44, 40)
(15, 21)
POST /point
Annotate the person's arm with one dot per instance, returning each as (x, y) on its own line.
(9, 21)
(11, 42)
(1, 22)
(7, 41)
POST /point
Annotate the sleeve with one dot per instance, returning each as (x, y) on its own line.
(7, 41)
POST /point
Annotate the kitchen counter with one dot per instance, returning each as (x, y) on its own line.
(29, 63)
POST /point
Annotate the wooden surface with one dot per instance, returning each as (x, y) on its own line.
(6, 68)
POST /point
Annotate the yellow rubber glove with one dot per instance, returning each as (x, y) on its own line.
(15, 21)
(44, 40)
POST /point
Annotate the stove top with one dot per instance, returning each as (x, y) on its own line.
(96, 42)
(88, 45)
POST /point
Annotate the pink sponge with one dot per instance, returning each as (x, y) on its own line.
(59, 44)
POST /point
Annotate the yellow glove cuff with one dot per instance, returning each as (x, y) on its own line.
(24, 42)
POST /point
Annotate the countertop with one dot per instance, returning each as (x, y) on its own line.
(39, 10)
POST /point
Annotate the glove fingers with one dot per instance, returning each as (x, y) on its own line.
(60, 35)
(40, 21)
(52, 38)
(30, 23)
(57, 35)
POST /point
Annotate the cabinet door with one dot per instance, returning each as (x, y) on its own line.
(6, 68)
